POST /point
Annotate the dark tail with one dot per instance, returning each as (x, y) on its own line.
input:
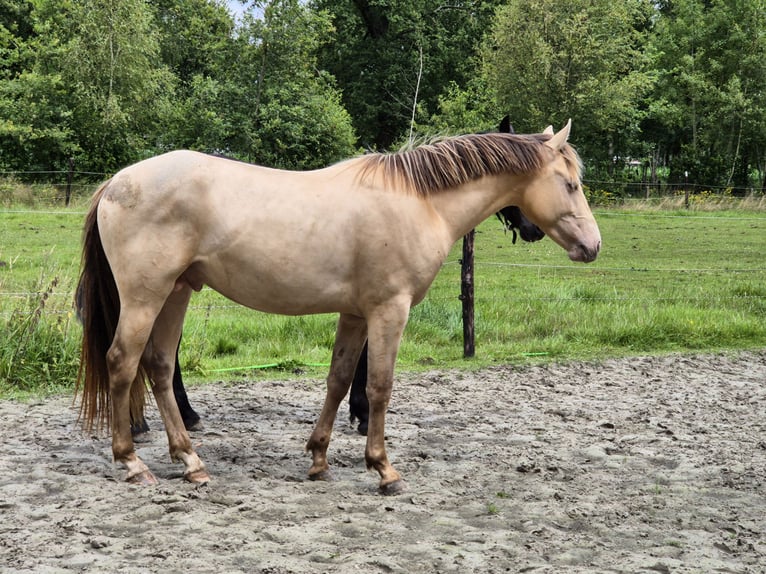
(98, 304)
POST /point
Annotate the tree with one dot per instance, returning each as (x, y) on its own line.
(286, 111)
(467, 109)
(119, 87)
(708, 112)
(198, 44)
(195, 38)
(34, 124)
(389, 51)
(87, 83)
(549, 61)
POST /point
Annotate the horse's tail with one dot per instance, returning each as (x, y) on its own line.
(98, 305)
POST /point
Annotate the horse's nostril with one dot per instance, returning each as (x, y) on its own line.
(589, 253)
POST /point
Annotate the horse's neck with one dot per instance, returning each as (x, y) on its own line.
(463, 208)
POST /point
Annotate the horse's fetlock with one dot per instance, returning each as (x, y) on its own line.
(373, 461)
(318, 443)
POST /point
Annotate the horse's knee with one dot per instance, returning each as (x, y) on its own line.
(378, 395)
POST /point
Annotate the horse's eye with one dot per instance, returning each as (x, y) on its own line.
(571, 186)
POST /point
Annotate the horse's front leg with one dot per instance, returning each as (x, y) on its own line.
(385, 333)
(349, 340)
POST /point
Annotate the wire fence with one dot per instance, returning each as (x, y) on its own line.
(47, 187)
(63, 296)
(58, 187)
(637, 190)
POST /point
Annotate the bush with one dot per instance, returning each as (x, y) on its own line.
(601, 197)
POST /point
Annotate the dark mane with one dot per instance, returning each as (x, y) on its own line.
(457, 160)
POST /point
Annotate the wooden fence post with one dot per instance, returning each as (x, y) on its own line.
(466, 295)
(69, 177)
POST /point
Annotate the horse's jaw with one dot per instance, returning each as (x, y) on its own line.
(579, 236)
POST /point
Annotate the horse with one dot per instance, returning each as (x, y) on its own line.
(372, 234)
(513, 220)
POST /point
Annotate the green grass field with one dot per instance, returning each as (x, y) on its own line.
(667, 280)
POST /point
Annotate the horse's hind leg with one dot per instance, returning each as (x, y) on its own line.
(385, 326)
(349, 340)
(159, 362)
(358, 406)
(138, 425)
(123, 358)
(190, 417)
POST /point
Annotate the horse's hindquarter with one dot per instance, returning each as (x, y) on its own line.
(277, 241)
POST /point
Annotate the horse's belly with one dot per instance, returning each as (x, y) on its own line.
(283, 291)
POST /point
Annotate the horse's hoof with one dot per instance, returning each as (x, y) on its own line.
(139, 428)
(195, 426)
(392, 488)
(142, 438)
(324, 476)
(144, 478)
(197, 476)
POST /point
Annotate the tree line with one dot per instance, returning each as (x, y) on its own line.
(670, 90)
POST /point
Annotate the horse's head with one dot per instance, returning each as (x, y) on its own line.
(554, 200)
(513, 219)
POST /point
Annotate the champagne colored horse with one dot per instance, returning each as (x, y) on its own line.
(363, 238)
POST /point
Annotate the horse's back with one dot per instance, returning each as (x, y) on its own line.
(180, 174)
(275, 240)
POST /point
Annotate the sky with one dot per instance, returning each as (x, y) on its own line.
(237, 8)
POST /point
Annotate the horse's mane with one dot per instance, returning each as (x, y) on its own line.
(453, 161)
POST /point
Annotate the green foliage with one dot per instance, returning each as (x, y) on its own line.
(119, 84)
(109, 83)
(306, 135)
(467, 110)
(389, 51)
(271, 106)
(295, 119)
(34, 130)
(549, 61)
(708, 111)
(673, 87)
(601, 197)
(39, 353)
(89, 85)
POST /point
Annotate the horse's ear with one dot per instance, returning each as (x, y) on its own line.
(505, 126)
(548, 131)
(558, 139)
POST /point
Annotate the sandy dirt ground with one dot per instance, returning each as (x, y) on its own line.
(652, 465)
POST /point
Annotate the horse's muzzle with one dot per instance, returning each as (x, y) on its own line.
(583, 253)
